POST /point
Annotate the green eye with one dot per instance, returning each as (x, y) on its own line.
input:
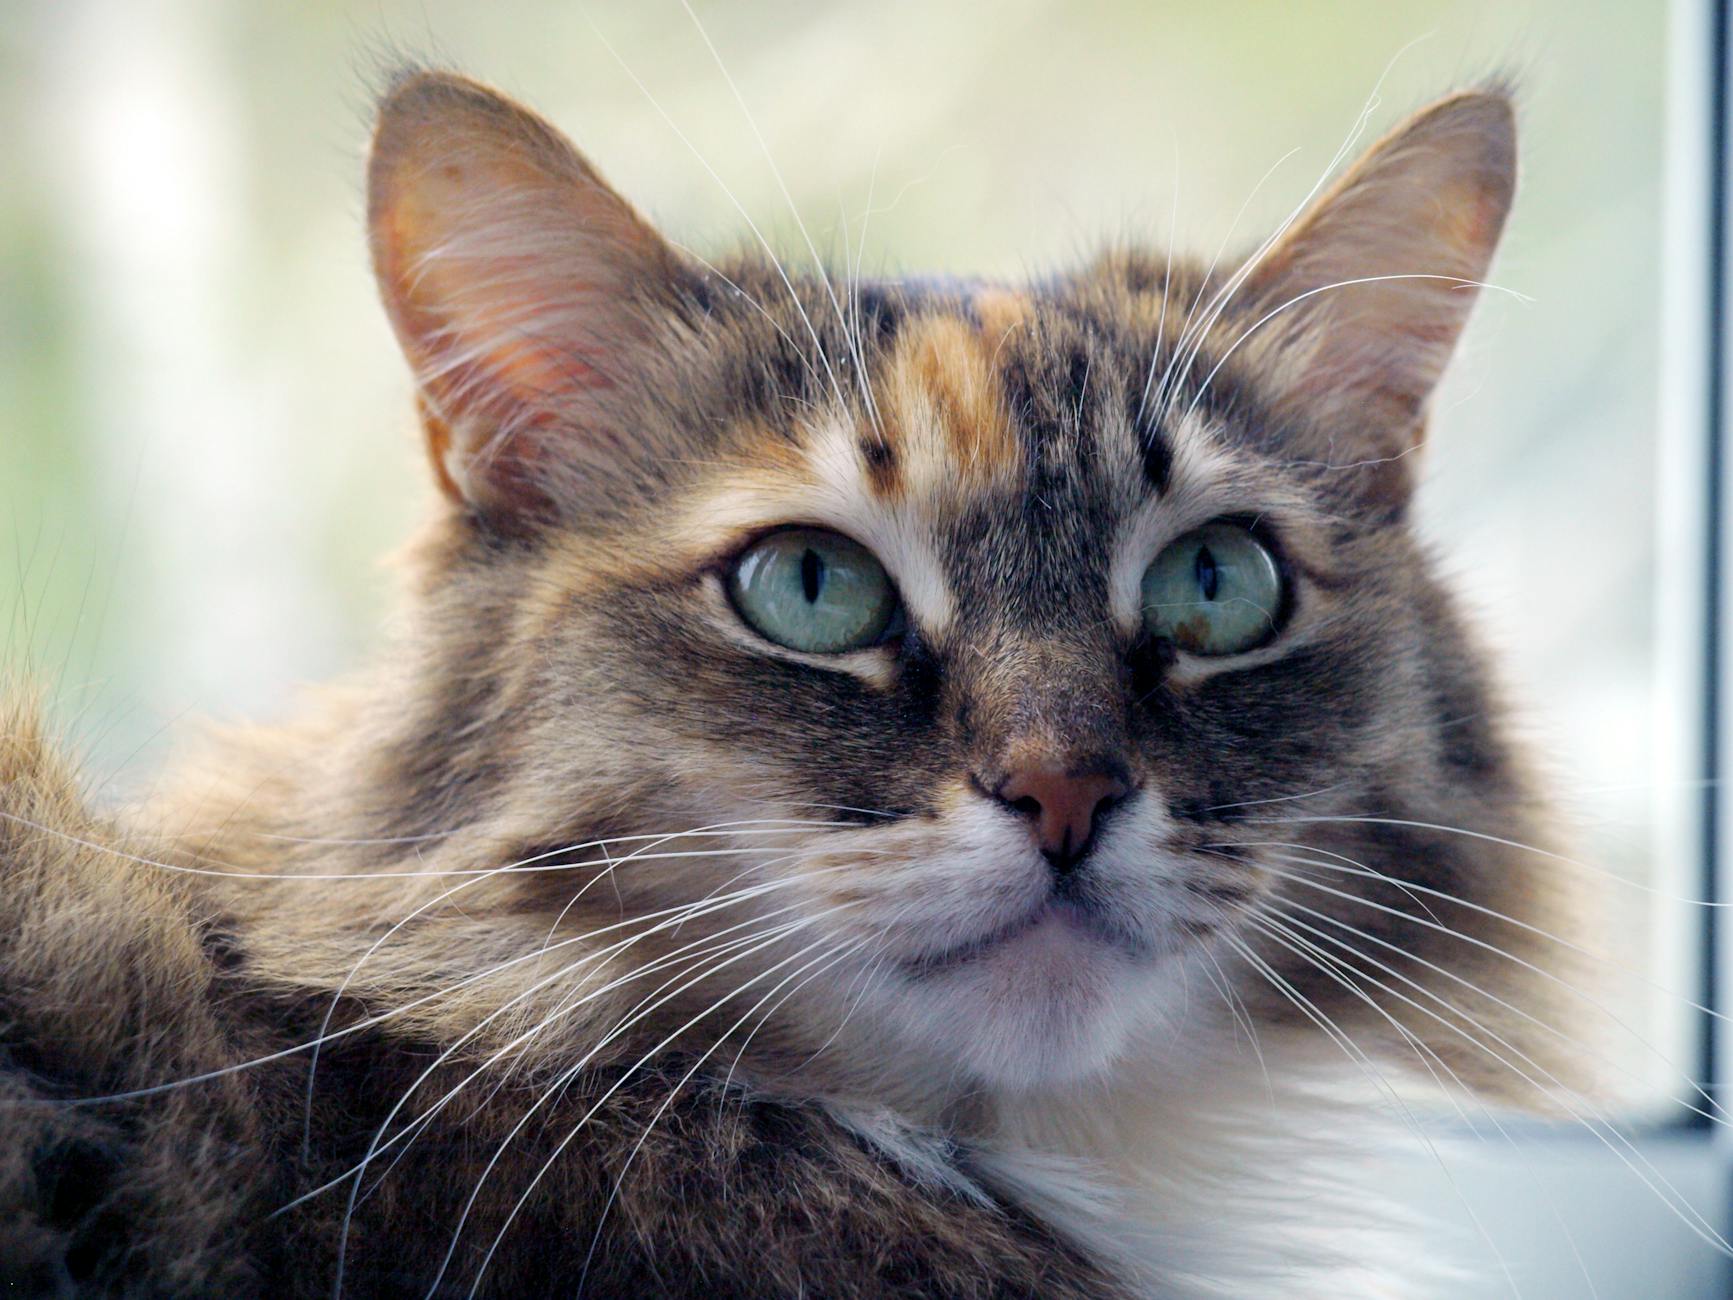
(814, 591)
(1216, 591)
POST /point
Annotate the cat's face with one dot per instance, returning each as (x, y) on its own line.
(1005, 636)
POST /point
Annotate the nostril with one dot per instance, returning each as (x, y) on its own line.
(1028, 805)
(1108, 803)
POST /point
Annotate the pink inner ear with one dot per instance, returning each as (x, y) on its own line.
(524, 291)
(486, 326)
(488, 386)
(508, 352)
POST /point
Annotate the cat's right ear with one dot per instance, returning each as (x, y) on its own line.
(1360, 304)
(532, 301)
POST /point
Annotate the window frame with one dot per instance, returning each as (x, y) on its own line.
(1557, 1204)
(1696, 20)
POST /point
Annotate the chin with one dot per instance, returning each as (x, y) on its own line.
(1053, 1003)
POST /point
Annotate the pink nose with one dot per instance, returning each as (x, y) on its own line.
(1062, 808)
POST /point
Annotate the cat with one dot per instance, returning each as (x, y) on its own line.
(888, 788)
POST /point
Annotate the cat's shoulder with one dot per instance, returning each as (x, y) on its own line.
(99, 933)
(109, 973)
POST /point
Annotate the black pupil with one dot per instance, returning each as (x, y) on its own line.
(811, 575)
(1207, 575)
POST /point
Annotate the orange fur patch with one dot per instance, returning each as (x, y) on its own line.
(1001, 312)
(943, 393)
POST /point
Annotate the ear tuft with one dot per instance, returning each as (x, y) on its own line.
(528, 296)
(1368, 293)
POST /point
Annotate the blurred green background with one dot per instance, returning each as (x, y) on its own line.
(207, 444)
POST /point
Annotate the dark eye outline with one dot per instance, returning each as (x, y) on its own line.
(1261, 533)
(895, 630)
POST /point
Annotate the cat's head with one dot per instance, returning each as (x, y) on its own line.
(1009, 646)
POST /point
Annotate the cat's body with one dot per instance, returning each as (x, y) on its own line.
(707, 964)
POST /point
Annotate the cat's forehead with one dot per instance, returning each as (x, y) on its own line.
(1059, 399)
(983, 433)
(1011, 444)
(1001, 391)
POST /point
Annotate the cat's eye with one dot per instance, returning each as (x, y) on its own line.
(1215, 591)
(814, 591)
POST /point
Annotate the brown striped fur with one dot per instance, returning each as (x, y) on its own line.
(610, 423)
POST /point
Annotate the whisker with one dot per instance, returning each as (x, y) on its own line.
(687, 955)
(823, 962)
(740, 208)
(371, 1022)
(1361, 868)
(1422, 1052)
(1515, 1010)
(707, 264)
(857, 983)
(788, 825)
(1280, 798)
(1563, 1095)
(672, 925)
(1339, 1037)
(1190, 338)
(1242, 1016)
(671, 916)
(614, 1087)
(1225, 295)
(1166, 284)
(348, 978)
(1454, 280)
(756, 941)
(343, 987)
(1489, 838)
(849, 336)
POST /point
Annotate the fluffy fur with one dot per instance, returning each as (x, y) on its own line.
(643, 956)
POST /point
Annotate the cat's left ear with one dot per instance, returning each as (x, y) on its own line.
(1362, 301)
(539, 311)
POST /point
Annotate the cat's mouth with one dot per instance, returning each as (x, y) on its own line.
(1058, 920)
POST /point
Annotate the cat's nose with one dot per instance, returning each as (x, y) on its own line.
(1062, 808)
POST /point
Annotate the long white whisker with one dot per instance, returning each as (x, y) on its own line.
(499, 1055)
(1344, 973)
(674, 926)
(1166, 286)
(1266, 924)
(1456, 281)
(342, 988)
(1220, 303)
(671, 917)
(774, 826)
(1511, 957)
(757, 306)
(849, 336)
(1190, 338)
(561, 1146)
(823, 962)
(787, 283)
(1489, 838)
(1560, 1093)
(1353, 867)
(1329, 1028)
(358, 1027)
(687, 955)
(1241, 1014)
